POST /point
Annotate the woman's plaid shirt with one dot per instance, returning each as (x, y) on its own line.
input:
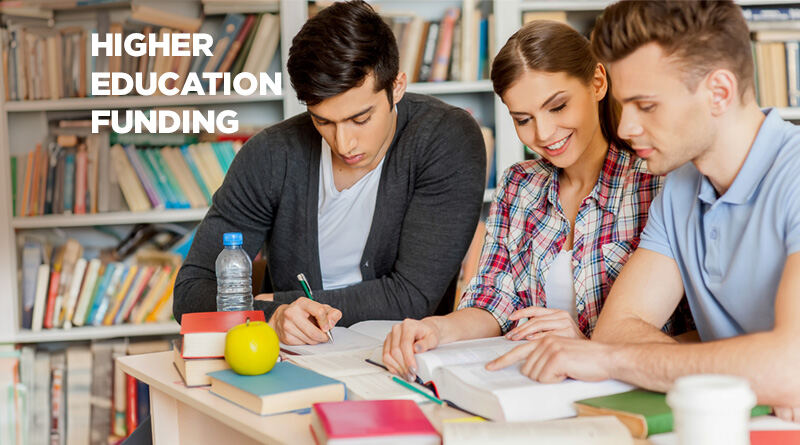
(527, 228)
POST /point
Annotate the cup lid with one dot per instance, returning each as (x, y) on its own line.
(712, 391)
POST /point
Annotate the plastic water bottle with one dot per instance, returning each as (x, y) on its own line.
(234, 268)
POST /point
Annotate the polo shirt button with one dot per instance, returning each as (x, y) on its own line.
(714, 233)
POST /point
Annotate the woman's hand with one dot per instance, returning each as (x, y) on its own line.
(541, 322)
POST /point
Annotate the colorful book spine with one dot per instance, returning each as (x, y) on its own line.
(144, 177)
(187, 155)
(158, 180)
(167, 175)
(69, 181)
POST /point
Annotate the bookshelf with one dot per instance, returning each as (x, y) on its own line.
(29, 119)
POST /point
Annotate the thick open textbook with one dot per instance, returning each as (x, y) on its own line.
(458, 372)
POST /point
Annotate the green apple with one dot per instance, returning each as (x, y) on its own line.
(251, 348)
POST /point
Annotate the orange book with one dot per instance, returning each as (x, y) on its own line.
(204, 332)
(162, 301)
(33, 204)
(26, 186)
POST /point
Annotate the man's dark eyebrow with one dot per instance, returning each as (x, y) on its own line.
(637, 97)
(320, 118)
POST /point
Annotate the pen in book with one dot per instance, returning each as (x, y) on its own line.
(307, 289)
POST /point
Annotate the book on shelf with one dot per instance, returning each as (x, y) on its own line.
(287, 387)
(72, 289)
(456, 47)
(203, 333)
(371, 421)
(194, 371)
(84, 174)
(643, 412)
(42, 63)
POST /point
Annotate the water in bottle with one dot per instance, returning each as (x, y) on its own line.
(234, 268)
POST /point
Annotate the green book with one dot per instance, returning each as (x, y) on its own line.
(643, 412)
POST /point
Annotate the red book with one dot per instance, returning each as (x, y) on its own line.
(131, 406)
(354, 421)
(52, 295)
(782, 437)
(204, 332)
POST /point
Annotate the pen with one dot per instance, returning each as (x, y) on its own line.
(407, 385)
(307, 289)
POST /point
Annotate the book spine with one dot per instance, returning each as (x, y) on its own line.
(189, 158)
(144, 177)
(69, 181)
(131, 406)
(81, 171)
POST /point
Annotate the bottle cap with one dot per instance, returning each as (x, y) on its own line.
(232, 239)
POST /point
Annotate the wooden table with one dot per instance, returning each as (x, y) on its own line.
(194, 415)
(181, 415)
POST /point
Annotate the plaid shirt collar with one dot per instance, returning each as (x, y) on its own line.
(607, 192)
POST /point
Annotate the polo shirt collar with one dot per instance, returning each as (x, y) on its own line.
(759, 159)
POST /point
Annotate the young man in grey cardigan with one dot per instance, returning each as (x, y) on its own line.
(373, 194)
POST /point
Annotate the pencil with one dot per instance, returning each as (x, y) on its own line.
(407, 385)
(307, 290)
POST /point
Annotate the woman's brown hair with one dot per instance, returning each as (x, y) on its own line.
(554, 47)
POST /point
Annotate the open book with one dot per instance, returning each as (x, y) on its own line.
(360, 336)
(345, 360)
(458, 372)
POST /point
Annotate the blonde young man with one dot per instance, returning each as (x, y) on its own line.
(726, 228)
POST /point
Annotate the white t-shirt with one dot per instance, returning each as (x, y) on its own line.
(344, 219)
(558, 286)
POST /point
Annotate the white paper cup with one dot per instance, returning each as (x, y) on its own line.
(711, 409)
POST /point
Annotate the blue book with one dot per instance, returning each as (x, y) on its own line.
(165, 174)
(483, 49)
(99, 291)
(158, 178)
(69, 180)
(187, 155)
(287, 387)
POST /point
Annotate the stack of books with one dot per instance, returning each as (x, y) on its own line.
(201, 348)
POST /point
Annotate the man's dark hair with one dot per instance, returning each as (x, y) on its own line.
(336, 50)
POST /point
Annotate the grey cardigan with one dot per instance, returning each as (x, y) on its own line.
(428, 203)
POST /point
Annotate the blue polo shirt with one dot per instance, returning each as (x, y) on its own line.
(731, 249)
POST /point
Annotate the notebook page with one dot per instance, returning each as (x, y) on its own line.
(344, 339)
(377, 329)
(378, 386)
(602, 430)
(337, 365)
